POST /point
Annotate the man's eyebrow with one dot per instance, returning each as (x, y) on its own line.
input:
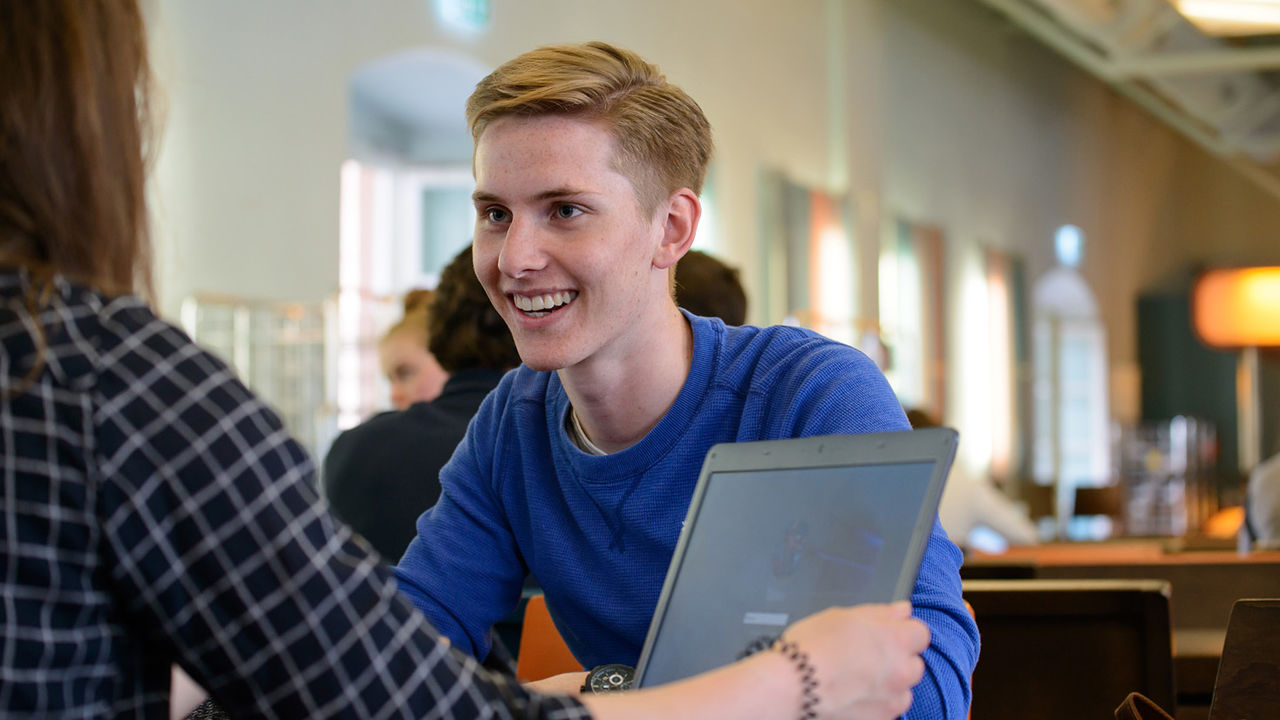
(562, 192)
(480, 196)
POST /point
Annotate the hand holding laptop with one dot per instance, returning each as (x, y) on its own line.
(866, 659)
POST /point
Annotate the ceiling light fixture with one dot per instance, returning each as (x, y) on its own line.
(1232, 17)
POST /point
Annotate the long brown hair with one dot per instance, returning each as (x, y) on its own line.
(74, 143)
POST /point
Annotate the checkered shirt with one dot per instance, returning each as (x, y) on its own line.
(153, 511)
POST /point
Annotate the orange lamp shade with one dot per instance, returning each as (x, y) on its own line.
(1239, 307)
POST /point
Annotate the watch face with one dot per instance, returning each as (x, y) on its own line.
(610, 678)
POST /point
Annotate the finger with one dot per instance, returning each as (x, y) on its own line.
(903, 673)
(916, 636)
(914, 671)
(901, 703)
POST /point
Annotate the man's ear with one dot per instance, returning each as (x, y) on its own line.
(680, 223)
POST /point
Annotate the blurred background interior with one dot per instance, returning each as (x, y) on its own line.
(1007, 203)
(1033, 214)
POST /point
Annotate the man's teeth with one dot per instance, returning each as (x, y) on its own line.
(550, 301)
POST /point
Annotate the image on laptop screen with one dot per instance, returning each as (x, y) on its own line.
(772, 546)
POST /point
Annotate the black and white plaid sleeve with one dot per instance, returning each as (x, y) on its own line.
(223, 554)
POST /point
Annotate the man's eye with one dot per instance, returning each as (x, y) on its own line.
(564, 212)
(496, 215)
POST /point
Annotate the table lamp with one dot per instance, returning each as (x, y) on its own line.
(1239, 308)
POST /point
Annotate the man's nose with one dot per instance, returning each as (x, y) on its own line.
(522, 249)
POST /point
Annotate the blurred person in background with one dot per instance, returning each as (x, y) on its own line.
(1262, 506)
(972, 504)
(707, 286)
(413, 371)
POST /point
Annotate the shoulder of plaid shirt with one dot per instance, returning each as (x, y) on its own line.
(156, 512)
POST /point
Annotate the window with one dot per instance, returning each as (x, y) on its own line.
(400, 226)
(1069, 393)
(910, 279)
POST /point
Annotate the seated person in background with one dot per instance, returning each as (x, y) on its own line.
(969, 503)
(155, 511)
(706, 286)
(382, 474)
(580, 466)
(1262, 505)
(414, 373)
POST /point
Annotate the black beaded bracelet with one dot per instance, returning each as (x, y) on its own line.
(808, 682)
(792, 651)
(764, 642)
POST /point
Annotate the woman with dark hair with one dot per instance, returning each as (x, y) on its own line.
(154, 511)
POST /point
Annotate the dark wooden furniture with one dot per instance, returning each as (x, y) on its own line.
(1205, 585)
(1248, 681)
(1069, 649)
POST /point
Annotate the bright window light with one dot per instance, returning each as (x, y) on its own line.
(835, 284)
(1232, 17)
(974, 395)
(466, 17)
(1068, 245)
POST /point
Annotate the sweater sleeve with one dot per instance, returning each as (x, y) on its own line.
(225, 558)
(464, 569)
(831, 388)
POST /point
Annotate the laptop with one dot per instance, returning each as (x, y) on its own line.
(778, 530)
(1247, 686)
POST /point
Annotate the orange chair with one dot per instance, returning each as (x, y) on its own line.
(542, 650)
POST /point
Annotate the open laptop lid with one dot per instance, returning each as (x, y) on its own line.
(778, 530)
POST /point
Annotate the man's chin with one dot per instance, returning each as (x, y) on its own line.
(543, 367)
(543, 362)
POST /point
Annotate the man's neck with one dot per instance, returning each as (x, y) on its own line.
(618, 402)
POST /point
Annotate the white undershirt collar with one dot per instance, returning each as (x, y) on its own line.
(579, 436)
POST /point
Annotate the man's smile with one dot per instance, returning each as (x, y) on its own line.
(541, 305)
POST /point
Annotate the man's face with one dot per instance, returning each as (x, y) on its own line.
(561, 245)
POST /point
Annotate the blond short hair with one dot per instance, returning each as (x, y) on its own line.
(662, 139)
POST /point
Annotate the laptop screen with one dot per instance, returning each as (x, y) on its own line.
(775, 545)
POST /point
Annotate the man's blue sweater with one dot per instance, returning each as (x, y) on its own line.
(598, 532)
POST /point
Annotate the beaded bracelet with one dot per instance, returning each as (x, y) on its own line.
(808, 682)
(791, 651)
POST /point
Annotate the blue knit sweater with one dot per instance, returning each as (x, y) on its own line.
(598, 532)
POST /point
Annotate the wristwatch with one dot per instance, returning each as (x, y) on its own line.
(609, 678)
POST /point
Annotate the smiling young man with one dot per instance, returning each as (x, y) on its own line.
(580, 466)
